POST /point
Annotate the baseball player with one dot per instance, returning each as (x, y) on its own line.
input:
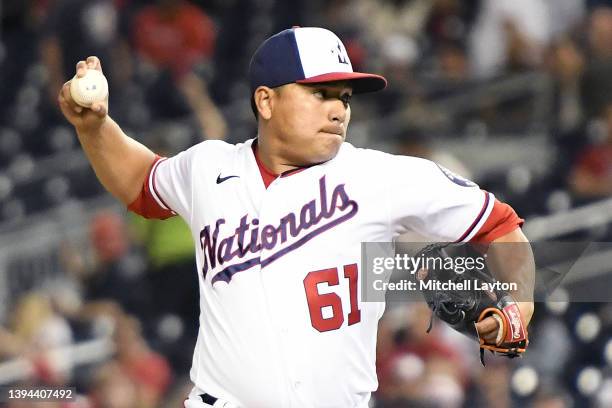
(278, 222)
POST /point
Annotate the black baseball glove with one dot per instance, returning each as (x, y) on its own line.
(464, 299)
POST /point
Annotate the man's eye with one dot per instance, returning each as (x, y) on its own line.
(346, 99)
(319, 94)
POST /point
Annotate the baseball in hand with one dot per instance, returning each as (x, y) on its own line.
(90, 88)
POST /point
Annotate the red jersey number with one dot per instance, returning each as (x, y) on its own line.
(318, 301)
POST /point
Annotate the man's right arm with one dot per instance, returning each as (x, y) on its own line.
(120, 162)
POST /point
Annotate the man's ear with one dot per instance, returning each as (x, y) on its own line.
(263, 101)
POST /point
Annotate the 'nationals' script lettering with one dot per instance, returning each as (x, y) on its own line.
(249, 238)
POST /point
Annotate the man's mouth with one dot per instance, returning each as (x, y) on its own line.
(337, 130)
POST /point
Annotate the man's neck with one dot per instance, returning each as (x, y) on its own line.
(271, 160)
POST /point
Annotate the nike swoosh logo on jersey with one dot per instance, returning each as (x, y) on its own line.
(222, 179)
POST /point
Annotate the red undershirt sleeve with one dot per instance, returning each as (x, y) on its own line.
(502, 220)
(148, 204)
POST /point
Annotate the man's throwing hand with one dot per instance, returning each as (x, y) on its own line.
(83, 119)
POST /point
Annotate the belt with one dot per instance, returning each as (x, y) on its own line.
(208, 399)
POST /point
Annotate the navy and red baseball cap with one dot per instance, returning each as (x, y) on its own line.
(307, 55)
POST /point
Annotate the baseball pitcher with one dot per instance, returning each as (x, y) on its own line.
(278, 223)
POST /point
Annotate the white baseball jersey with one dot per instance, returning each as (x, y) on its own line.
(281, 320)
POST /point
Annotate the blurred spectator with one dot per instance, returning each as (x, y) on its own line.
(596, 86)
(118, 276)
(414, 366)
(591, 176)
(167, 243)
(451, 20)
(452, 62)
(389, 17)
(38, 333)
(600, 33)
(149, 371)
(174, 35)
(113, 388)
(400, 55)
(211, 121)
(177, 39)
(492, 386)
(509, 35)
(552, 399)
(566, 64)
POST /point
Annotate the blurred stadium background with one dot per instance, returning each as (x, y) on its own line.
(516, 94)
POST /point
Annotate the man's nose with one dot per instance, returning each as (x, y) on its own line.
(337, 112)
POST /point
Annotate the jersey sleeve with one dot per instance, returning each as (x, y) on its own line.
(434, 202)
(502, 220)
(167, 188)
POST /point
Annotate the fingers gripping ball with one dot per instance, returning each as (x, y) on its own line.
(90, 88)
(500, 332)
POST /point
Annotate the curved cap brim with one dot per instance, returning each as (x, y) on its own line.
(360, 81)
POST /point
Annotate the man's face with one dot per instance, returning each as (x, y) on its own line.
(309, 122)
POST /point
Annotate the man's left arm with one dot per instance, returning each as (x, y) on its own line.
(510, 259)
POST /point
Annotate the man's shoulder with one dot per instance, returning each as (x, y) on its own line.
(219, 149)
(375, 165)
(348, 150)
(367, 157)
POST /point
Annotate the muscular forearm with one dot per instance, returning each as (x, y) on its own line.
(120, 162)
(510, 259)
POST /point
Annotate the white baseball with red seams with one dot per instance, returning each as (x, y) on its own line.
(282, 323)
(88, 89)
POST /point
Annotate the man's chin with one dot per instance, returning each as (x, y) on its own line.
(327, 148)
(331, 150)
